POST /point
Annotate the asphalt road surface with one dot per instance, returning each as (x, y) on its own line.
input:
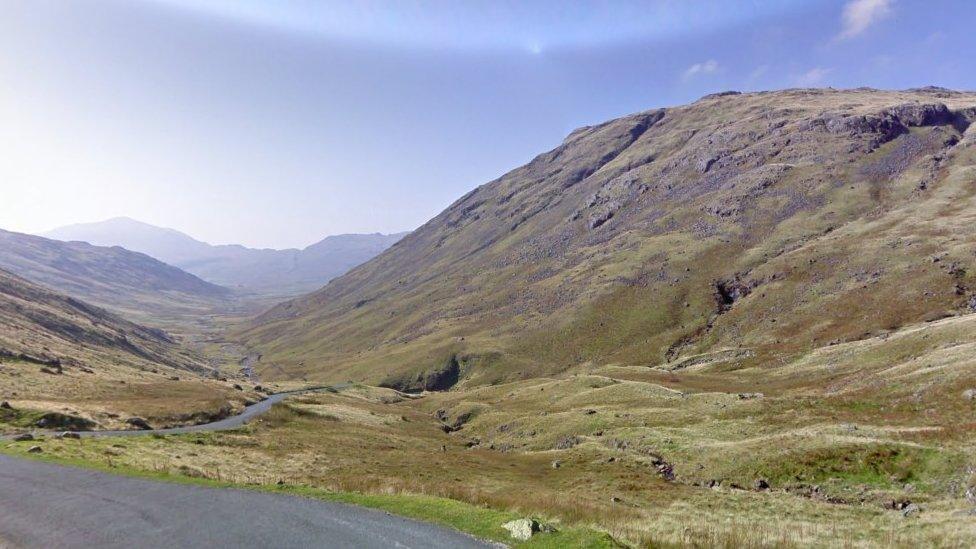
(46, 505)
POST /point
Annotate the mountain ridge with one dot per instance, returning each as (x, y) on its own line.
(124, 281)
(289, 271)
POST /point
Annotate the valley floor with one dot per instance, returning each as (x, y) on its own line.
(867, 443)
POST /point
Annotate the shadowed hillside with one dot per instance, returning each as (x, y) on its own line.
(739, 230)
(81, 367)
(48, 328)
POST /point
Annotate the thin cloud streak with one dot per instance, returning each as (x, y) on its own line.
(859, 15)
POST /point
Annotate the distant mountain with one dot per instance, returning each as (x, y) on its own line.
(264, 271)
(125, 281)
(758, 226)
(51, 329)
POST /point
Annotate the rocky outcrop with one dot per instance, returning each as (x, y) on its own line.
(435, 379)
(65, 422)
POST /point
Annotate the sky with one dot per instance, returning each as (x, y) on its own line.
(275, 123)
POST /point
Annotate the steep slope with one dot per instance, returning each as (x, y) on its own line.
(279, 272)
(65, 364)
(47, 328)
(115, 278)
(735, 232)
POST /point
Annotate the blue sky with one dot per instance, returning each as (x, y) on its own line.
(275, 123)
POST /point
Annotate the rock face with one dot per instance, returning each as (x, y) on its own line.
(436, 379)
(750, 221)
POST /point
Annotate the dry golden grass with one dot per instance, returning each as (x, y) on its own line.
(835, 457)
(113, 393)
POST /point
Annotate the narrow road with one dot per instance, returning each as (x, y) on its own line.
(233, 422)
(46, 505)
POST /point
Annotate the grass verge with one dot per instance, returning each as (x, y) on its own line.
(481, 522)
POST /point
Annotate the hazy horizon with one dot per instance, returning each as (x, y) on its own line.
(47, 232)
(273, 125)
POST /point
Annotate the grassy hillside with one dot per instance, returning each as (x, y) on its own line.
(130, 283)
(60, 355)
(740, 231)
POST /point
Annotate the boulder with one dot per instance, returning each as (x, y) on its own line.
(522, 529)
(969, 394)
(34, 450)
(6, 405)
(68, 434)
(23, 437)
(761, 484)
(910, 510)
(57, 420)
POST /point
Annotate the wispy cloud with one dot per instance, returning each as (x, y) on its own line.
(813, 77)
(706, 67)
(858, 15)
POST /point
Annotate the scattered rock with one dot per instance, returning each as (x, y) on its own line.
(750, 396)
(24, 437)
(68, 434)
(664, 469)
(910, 510)
(35, 450)
(615, 499)
(522, 529)
(556, 464)
(6, 405)
(139, 423)
(761, 484)
(238, 387)
(705, 164)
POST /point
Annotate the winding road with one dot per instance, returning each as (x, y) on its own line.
(47, 505)
(232, 422)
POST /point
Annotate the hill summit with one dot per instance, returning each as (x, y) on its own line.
(734, 232)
